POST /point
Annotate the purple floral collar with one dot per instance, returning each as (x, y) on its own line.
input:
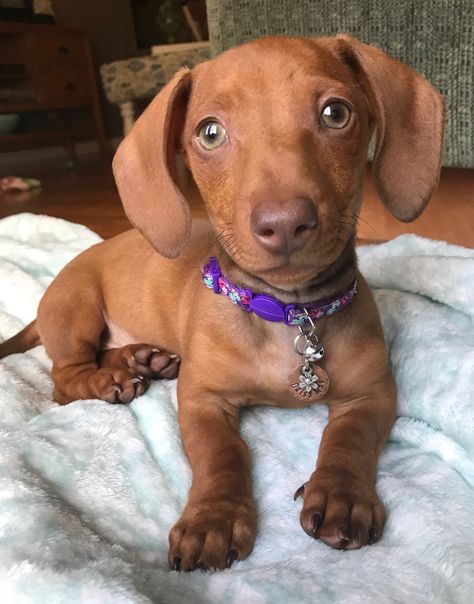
(270, 308)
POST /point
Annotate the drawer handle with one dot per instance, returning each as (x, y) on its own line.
(70, 86)
(64, 50)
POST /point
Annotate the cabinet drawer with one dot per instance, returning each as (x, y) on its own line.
(66, 88)
(61, 49)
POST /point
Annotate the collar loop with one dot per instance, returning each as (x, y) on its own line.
(270, 308)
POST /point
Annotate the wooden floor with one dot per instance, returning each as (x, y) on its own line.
(87, 195)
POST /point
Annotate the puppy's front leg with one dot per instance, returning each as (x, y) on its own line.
(218, 524)
(341, 506)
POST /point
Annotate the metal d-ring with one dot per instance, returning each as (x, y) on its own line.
(309, 334)
(310, 338)
(312, 328)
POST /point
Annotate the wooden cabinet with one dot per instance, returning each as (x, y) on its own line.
(47, 70)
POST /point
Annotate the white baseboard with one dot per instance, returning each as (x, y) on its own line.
(84, 149)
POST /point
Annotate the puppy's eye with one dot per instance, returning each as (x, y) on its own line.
(212, 135)
(335, 115)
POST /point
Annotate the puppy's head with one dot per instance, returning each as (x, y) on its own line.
(275, 134)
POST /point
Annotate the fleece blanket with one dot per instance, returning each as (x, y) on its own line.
(89, 491)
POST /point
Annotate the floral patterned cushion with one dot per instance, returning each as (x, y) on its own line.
(143, 77)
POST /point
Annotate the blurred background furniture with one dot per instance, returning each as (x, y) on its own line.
(140, 78)
(47, 77)
(175, 34)
(435, 38)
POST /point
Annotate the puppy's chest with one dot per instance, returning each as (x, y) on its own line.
(276, 368)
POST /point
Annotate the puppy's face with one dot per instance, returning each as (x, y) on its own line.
(275, 133)
(276, 138)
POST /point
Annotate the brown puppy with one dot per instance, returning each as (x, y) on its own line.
(275, 134)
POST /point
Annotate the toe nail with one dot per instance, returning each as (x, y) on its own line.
(232, 557)
(116, 387)
(373, 535)
(176, 564)
(343, 534)
(137, 379)
(315, 522)
(299, 492)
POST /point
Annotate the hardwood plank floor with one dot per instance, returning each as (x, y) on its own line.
(88, 195)
(448, 217)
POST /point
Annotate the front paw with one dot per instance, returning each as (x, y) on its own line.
(340, 511)
(212, 533)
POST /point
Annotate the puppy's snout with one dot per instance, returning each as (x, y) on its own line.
(284, 228)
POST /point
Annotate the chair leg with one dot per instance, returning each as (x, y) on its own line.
(128, 116)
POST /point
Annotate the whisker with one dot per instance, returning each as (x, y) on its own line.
(367, 223)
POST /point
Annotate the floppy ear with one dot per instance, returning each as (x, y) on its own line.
(145, 171)
(409, 118)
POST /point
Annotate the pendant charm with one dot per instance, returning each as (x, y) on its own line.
(308, 382)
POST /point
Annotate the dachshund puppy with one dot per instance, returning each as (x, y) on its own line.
(264, 304)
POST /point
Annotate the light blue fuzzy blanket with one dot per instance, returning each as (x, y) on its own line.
(89, 491)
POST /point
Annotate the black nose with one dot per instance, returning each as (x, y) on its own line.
(284, 228)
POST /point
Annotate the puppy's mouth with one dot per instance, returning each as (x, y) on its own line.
(294, 278)
(289, 275)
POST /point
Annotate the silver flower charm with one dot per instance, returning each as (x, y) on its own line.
(308, 382)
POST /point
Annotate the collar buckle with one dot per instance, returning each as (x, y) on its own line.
(215, 271)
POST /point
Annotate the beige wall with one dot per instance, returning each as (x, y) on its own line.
(112, 34)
